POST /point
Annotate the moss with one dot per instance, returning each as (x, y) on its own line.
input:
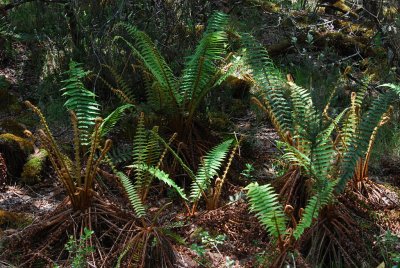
(33, 168)
(24, 144)
(10, 219)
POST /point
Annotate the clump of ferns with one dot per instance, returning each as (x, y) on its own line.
(362, 128)
(151, 241)
(84, 207)
(148, 242)
(305, 133)
(178, 99)
(148, 156)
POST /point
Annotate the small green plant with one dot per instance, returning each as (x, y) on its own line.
(207, 241)
(389, 245)
(80, 249)
(248, 171)
(229, 263)
(201, 254)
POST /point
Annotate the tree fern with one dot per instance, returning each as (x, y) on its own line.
(264, 202)
(209, 168)
(80, 100)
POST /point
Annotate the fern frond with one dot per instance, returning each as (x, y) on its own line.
(147, 53)
(210, 165)
(393, 87)
(80, 100)
(200, 70)
(217, 22)
(112, 119)
(311, 211)
(162, 176)
(264, 202)
(132, 194)
(121, 154)
(360, 142)
(270, 83)
(122, 85)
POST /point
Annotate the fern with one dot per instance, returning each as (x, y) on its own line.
(180, 98)
(121, 154)
(80, 100)
(270, 83)
(139, 153)
(122, 86)
(264, 202)
(147, 53)
(200, 70)
(209, 168)
(111, 120)
(360, 142)
(311, 211)
(162, 176)
(133, 196)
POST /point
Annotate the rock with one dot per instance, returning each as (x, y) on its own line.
(33, 168)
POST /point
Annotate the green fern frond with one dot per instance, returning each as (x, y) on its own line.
(322, 157)
(122, 85)
(393, 87)
(162, 176)
(121, 154)
(264, 202)
(147, 53)
(112, 119)
(360, 142)
(140, 153)
(270, 83)
(217, 22)
(200, 71)
(210, 165)
(80, 100)
(133, 195)
(311, 211)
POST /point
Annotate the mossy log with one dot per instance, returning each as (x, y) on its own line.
(15, 151)
(343, 44)
(33, 168)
